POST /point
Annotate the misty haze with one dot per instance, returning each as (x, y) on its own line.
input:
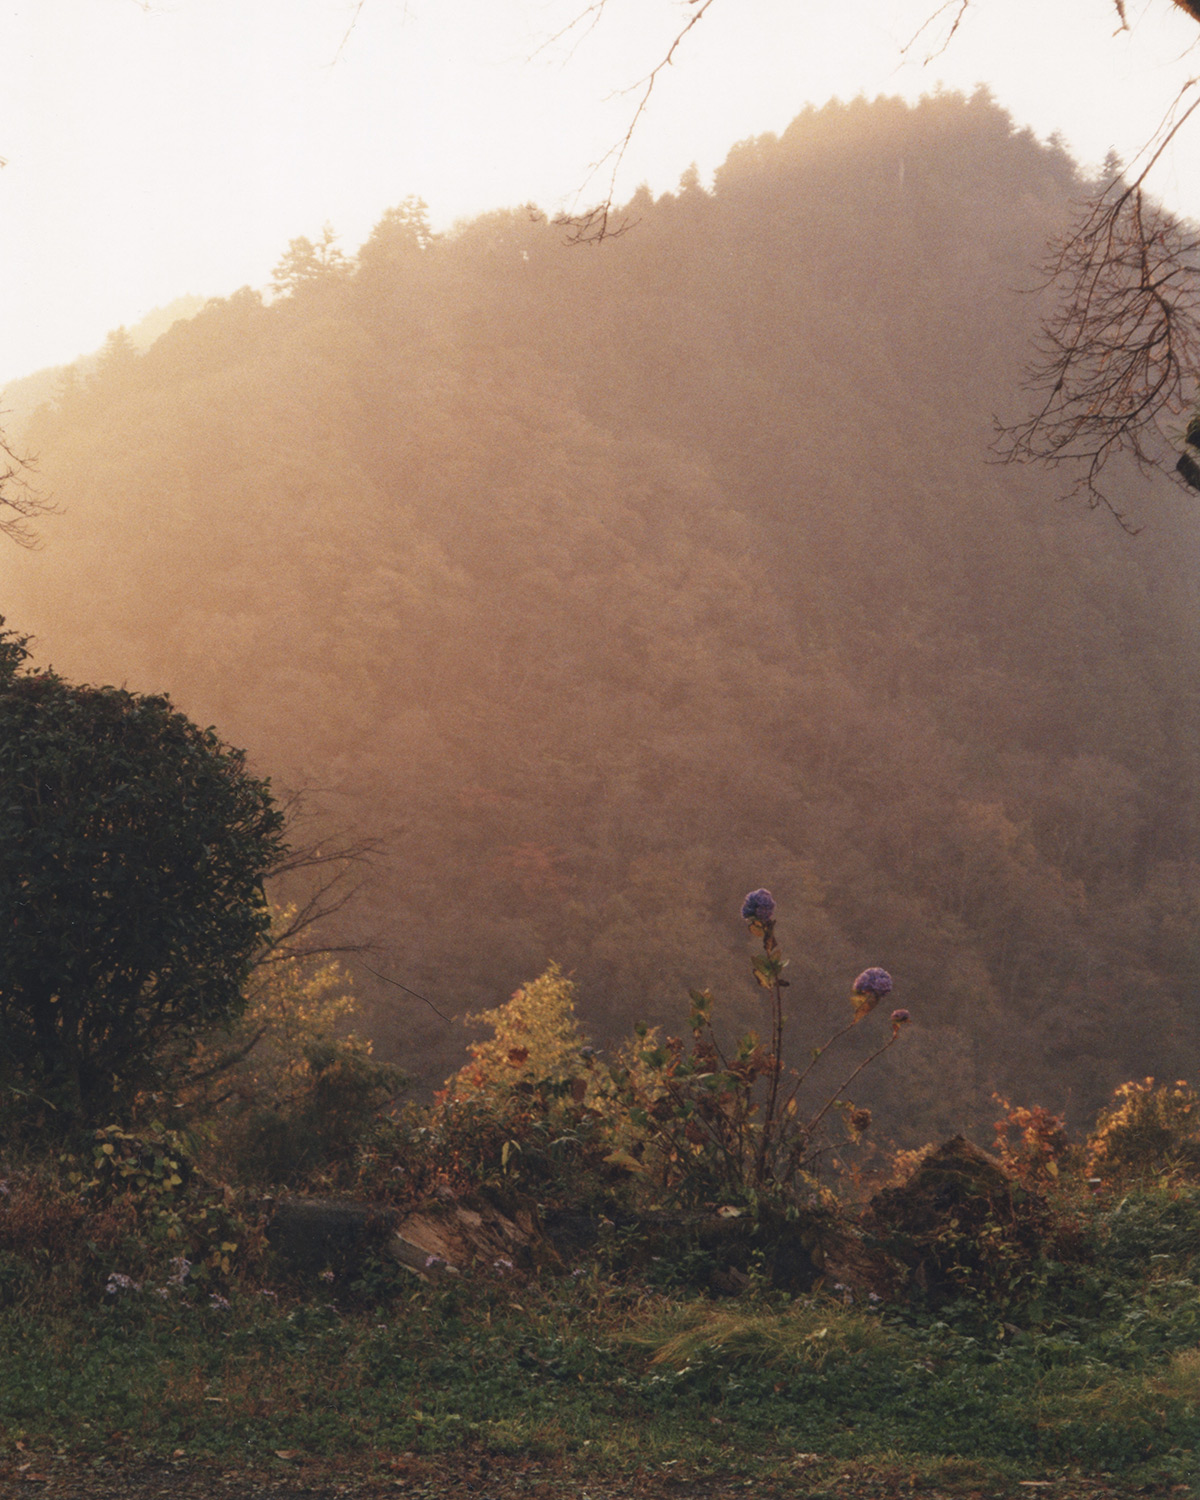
(606, 585)
(594, 588)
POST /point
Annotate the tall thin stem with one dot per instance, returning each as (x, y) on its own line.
(866, 1062)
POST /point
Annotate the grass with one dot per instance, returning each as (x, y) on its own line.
(1033, 1370)
(593, 1372)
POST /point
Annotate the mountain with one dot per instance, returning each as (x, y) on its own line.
(27, 395)
(609, 583)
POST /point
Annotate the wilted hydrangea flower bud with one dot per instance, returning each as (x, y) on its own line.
(900, 1018)
(877, 982)
(869, 989)
(759, 906)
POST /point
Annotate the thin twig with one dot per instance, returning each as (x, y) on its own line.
(594, 224)
(388, 980)
(835, 1097)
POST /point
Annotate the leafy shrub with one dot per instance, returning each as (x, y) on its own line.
(1149, 1131)
(661, 1124)
(533, 1110)
(172, 1214)
(968, 1231)
(720, 1125)
(120, 1211)
(535, 1037)
(336, 1096)
(1031, 1142)
(286, 1091)
(133, 847)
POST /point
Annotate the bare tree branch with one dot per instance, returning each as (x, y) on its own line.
(387, 979)
(20, 503)
(585, 22)
(1120, 355)
(959, 7)
(318, 878)
(358, 10)
(595, 224)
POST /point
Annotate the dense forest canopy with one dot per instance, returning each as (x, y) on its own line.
(611, 583)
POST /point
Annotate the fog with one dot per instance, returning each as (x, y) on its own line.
(604, 585)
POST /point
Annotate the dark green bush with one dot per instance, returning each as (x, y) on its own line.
(332, 1110)
(133, 847)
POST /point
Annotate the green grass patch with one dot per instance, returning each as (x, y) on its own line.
(598, 1372)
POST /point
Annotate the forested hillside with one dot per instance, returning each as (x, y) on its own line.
(609, 583)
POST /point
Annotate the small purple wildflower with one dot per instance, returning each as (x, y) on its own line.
(326, 1275)
(119, 1282)
(901, 1018)
(222, 1304)
(759, 906)
(877, 982)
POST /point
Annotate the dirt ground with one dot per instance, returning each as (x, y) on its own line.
(479, 1478)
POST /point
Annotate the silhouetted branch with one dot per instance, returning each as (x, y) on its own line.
(595, 224)
(331, 871)
(959, 7)
(1121, 352)
(20, 504)
(387, 979)
(358, 10)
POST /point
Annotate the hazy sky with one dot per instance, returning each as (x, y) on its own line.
(157, 147)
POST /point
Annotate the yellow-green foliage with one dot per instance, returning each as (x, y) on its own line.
(535, 1038)
(293, 1006)
(288, 1090)
(1148, 1131)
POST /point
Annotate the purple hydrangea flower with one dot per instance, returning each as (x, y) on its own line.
(759, 906)
(900, 1018)
(877, 982)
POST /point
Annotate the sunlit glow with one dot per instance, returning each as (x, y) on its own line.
(176, 146)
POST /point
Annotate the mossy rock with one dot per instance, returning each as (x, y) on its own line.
(955, 1179)
(311, 1235)
(960, 1223)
